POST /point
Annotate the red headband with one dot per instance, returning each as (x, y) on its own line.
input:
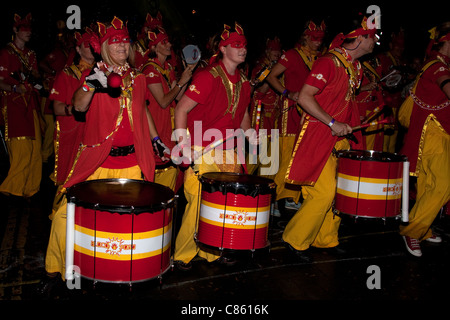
(229, 38)
(314, 31)
(156, 38)
(117, 28)
(339, 39)
(25, 22)
(84, 38)
(362, 31)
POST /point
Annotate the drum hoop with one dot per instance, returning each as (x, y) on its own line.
(210, 185)
(366, 155)
(121, 209)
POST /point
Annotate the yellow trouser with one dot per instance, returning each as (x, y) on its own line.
(391, 140)
(167, 177)
(56, 249)
(25, 171)
(185, 246)
(265, 157)
(433, 183)
(47, 139)
(314, 224)
(283, 191)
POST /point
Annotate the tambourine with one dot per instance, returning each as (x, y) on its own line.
(191, 54)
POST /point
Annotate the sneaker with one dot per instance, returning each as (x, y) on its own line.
(183, 266)
(434, 239)
(413, 246)
(292, 205)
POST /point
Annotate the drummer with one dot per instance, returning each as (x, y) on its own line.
(206, 102)
(116, 134)
(163, 92)
(287, 78)
(68, 132)
(427, 142)
(328, 97)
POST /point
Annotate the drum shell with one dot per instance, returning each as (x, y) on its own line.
(369, 184)
(118, 244)
(235, 211)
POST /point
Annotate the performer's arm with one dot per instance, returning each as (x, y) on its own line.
(444, 84)
(82, 99)
(312, 107)
(184, 106)
(274, 81)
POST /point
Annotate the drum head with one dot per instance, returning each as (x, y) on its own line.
(121, 195)
(236, 183)
(371, 155)
(191, 54)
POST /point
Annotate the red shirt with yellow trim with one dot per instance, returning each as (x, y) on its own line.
(315, 142)
(213, 110)
(68, 132)
(17, 109)
(163, 117)
(103, 131)
(429, 99)
(294, 77)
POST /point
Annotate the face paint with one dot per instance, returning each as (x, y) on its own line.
(119, 38)
(238, 44)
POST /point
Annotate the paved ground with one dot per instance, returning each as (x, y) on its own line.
(372, 264)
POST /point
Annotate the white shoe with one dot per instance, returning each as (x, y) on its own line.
(413, 246)
(434, 239)
(292, 205)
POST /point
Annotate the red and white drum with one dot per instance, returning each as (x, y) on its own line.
(370, 183)
(235, 211)
(122, 229)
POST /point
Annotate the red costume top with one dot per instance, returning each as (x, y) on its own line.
(336, 96)
(428, 99)
(294, 78)
(369, 100)
(68, 132)
(116, 122)
(17, 109)
(163, 117)
(222, 101)
(57, 60)
(270, 102)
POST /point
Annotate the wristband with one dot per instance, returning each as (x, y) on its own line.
(87, 88)
(285, 93)
(14, 88)
(331, 122)
(179, 86)
(155, 138)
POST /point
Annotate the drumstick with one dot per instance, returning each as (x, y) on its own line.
(258, 120)
(374, 123)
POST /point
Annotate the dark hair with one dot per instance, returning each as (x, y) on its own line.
(442, 30)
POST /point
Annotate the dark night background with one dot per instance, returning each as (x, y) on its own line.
(259, 19)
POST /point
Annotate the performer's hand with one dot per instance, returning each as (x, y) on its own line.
(160, 149)
(187, 74)
(97, 78)
(340, 129)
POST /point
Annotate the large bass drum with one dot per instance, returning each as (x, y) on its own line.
(235, 210)
(122, 229)
(370, 183)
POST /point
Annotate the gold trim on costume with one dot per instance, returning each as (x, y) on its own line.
(233, 90)
(431, 117)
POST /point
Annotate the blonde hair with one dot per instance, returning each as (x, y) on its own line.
(107, 57)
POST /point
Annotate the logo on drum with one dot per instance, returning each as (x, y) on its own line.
(113, 246)
(395, 190)
(239, 218)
